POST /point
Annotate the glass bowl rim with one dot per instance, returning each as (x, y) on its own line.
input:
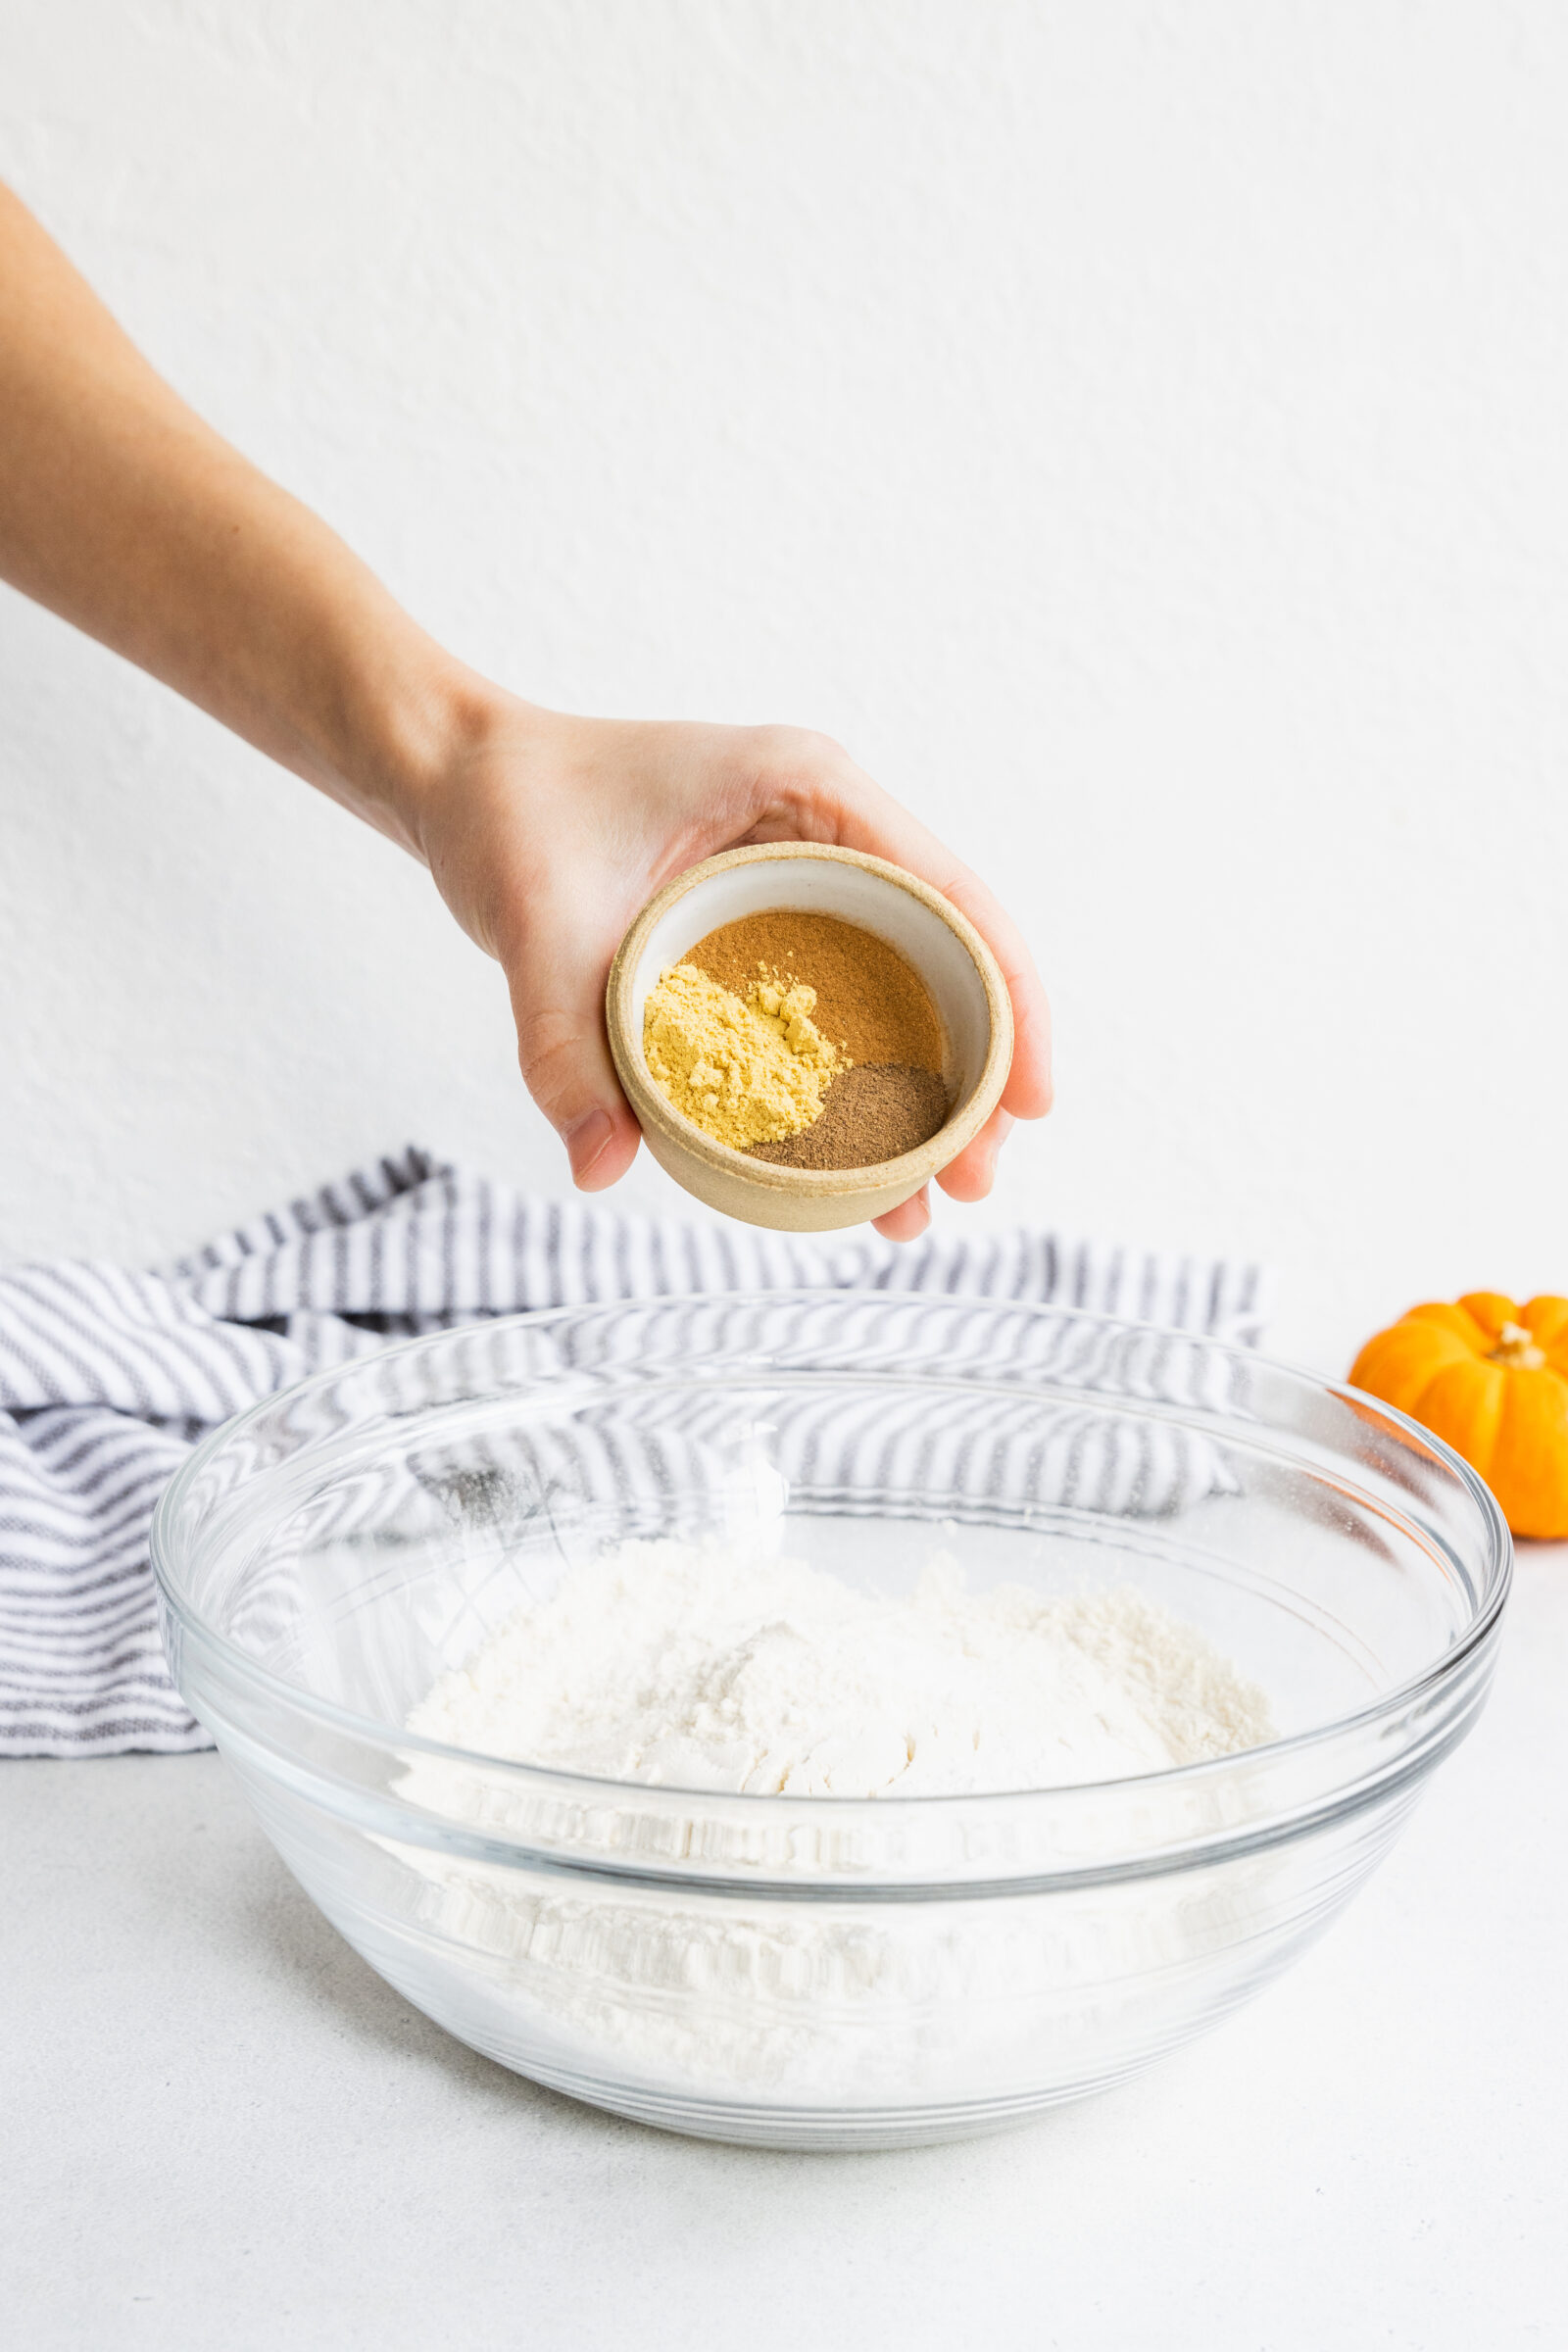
(1498, 1584)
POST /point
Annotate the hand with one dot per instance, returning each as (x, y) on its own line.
(123, 512)
(545, 835)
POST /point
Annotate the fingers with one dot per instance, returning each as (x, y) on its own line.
(601, 1148)
(970, 1176)
(909, 1220)
(1027, 1093)
(557, 1003)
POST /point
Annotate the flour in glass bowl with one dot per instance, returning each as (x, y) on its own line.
(687, 1666)
(704, 1669)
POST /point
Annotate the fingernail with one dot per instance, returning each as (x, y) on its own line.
(586, 1140)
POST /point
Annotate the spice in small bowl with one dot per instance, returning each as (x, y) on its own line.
(816, 1054)
(801, 1039)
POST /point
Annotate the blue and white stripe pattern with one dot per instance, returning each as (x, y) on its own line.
(108, 1377)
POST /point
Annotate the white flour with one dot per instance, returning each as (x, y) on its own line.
(699, 1668)
(692, 1669)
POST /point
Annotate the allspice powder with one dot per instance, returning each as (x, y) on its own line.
(872, 1113)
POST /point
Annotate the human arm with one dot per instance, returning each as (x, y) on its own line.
(123, 512)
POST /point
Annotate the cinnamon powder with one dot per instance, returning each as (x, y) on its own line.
(871, 1001)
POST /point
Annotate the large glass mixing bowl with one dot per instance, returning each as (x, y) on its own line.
(827, 1971)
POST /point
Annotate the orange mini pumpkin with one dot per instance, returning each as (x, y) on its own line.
(1492, 1378)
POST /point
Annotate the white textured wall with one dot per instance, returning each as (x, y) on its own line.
(1141, 433)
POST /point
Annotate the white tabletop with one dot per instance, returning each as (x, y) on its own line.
(221, 2128)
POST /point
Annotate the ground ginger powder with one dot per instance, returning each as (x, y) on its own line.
(745, 1072)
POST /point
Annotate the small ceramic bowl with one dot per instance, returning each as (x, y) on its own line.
(946, 950)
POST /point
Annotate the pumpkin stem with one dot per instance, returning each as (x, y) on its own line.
(1517, 1350)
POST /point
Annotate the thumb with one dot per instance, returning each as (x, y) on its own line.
(557, 1002)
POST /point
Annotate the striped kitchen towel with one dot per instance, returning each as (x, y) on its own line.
(108, 1377)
